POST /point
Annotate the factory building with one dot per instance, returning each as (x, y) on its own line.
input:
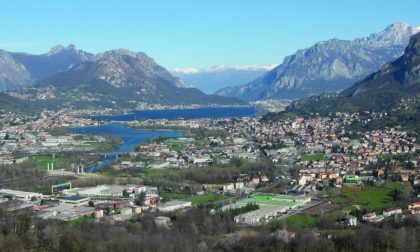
(19, 195)
(271, 206)
(174, 205)
(259, 216)
(109, 191)
(75, 200)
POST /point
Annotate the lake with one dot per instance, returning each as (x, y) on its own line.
(223, 112)
(130, 139)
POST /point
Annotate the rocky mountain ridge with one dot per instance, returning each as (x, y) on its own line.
(382, 90)
(331, 65)
(124, 78)
(19, 70)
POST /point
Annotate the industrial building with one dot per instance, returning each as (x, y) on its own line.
(259, 216)
(75, 200)
(162, 221)
(19, 195)
(65, 212)
(350, 220)
(109, 191)
(174, 205)
(271, 206)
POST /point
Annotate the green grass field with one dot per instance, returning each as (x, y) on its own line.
(41, 161)
(202, 199)
(97, 145)
(201, 144)
(207, 198)
(369, 197)
(106, 173)
(313, 157)
(173, 196)
(294, 221)
(80, 220)
(175, 145)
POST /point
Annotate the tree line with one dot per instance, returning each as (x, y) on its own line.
(196, 230)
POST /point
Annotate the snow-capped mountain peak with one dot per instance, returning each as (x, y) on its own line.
(222, 68)
(396, 34)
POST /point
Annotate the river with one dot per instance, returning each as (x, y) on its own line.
(130, 139)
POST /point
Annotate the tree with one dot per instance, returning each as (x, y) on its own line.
(402, 196)
(23, 223)
(125, 193)
(140, 199)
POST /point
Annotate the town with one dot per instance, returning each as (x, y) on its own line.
(201, 126)
(300, 170)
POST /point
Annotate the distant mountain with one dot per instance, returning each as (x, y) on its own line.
(13, 75)
(209, 80)
(123, 78)
(382, 90)
(331, 65)
(57, 60)
(18, 70)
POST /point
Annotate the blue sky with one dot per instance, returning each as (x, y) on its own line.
(195, 33)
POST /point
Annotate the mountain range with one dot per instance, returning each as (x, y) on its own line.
(124, 78)
(383, 90)
(19, 70)
(210, 80)
(119, 78)
(331, 65)
(66, 76)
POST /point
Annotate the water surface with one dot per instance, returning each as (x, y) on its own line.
(223, 112)
(130, 139)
